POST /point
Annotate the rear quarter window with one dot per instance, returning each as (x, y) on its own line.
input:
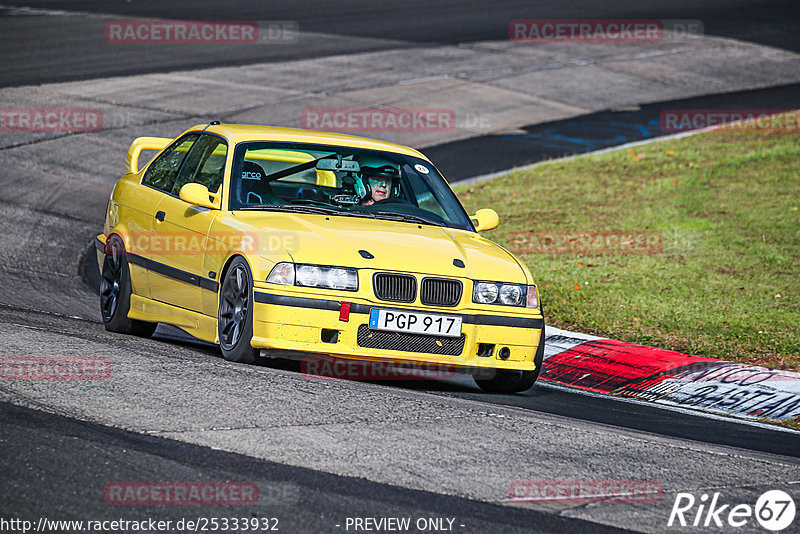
(161, 174)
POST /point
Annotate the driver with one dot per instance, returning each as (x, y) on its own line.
(377, 183)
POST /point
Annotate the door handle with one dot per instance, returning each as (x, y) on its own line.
(160, 216)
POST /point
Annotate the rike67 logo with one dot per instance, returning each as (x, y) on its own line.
(774, 510)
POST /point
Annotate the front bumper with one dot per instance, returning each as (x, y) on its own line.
(311, 323)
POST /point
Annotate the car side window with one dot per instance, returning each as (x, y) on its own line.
(204, 165)
(162, 172)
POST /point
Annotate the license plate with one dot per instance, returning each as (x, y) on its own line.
(415, 323)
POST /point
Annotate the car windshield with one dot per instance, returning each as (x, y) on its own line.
(342, 181)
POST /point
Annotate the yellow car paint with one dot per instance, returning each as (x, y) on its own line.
(211, 238)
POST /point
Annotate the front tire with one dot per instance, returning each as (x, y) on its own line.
(235, 315)
(115, 293)
(509, 381)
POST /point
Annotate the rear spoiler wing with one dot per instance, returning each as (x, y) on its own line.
(144, 143)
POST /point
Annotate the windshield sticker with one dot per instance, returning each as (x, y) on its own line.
(421, 168)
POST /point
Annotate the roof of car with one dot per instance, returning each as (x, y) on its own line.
(238, 133)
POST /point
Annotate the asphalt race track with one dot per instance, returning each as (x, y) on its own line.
(587, 133)
(302, 499)
(358, 26)
(320, 451)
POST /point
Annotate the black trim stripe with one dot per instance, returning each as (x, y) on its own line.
(172, 272)
(99, 245)
(302, 302)
(333, 305)
(209, 285)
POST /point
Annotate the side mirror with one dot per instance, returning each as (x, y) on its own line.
(485, 219)
(199, 195)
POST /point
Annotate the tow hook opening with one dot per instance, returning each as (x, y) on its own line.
(330, 336)
(485, 350)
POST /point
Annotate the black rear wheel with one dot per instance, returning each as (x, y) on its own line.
(115, 293)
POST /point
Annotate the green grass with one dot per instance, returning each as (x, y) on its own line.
(727, 281)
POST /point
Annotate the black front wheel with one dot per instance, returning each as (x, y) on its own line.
(115, 293)
(235, 317)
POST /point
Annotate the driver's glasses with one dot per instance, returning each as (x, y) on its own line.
(376, 183)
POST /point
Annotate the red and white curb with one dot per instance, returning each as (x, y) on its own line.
(637, 372)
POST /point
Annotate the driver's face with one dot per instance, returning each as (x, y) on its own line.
(380, 188)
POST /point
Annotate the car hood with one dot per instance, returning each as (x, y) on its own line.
(395, 246)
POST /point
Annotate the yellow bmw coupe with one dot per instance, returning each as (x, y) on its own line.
(277, 242)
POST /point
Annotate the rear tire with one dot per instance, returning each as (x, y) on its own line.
(506, 381)
(235, 314)
(115, 293)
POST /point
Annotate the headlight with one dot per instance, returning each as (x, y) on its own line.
(342, 279)
(511, 295)
(309, 275)
(485, 292)
(504, 294)
(291, 274)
